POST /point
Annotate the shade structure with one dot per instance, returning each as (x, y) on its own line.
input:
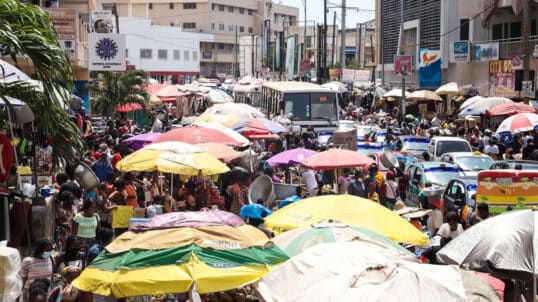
(336, 159)
(336, 87)
(194, 88)
(22, 113)
(258, 126)
(213, 258)
(168, 93)
(518, 123)
(423, 95)
(216, 96)
(296, 241)
(471, 101)
(154, 100)
(448, 88)
(479, 107)
(139, 141)
(355, 271)
(510, 108)
(12, 73)
(190, 219)
(172, 157)
(225, 120)
(220, 151)
(238, 110)
(290, 157)
(505, 245)
(129, 107)
(197, 135)
(348, 209)
(396, 93)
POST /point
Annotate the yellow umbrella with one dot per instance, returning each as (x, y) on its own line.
(172, 157)
(348, 209)
(226, 120)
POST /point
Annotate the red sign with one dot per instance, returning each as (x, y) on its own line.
(502, 79)
(403, 66)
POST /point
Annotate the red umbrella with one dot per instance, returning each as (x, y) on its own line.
(197, 135)
(258, 126)
(510, 108)
(129, 107)
(336, 159)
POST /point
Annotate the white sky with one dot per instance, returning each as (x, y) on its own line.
(314, 10)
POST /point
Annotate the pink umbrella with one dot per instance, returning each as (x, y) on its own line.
(289, 157)
(336, 159)
(197, 135)
(510, 109)
(190, 219)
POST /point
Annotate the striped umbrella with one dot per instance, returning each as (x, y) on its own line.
(518, 123)
(211, 258)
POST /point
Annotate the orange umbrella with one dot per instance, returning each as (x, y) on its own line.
(336, 159)
(220, 151)
(129, 107)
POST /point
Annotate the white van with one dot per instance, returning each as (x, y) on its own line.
(440, 145)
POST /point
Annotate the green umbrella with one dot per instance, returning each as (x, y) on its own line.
(410, 117)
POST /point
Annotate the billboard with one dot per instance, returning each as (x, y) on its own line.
(64, 21)
(403, 65)
(460, 52)
(429, 68)
(486, 52)
(106, 52)
(291, 49)
(102, 22)
(502, 79)
(356, 76)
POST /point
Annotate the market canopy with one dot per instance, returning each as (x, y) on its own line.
(197, 135)
(510, 108)
(220, 151)
(217, 96)
(423, 95)
(258, 126)
(240, 111)
(290, 157)
(129, 107)
(479, 107)
(449, 88)
(518, 123)
(336, 159)
(348, 209)
(139, 141)
(471, 101)
(396, 93)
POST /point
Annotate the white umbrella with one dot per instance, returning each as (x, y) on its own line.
(471, 101)
(335, 87)
(358, 271)
(423, 95)
(239, 110)
(449, 88)
(505, 245)
(479, 107)
(396, 93)
(216, 96)
(10, 73)
(22, 112)
(232, 133)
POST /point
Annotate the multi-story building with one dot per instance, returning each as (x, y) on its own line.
(227, 20)
(365, 44)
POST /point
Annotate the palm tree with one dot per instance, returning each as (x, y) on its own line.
(27, 34)
(117, 89)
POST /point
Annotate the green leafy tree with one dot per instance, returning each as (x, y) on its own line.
(27, 34)
(116, 89)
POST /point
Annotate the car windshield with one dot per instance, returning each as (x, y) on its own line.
(452, 146)
(441, 177)
(415, 145)
(474, 163)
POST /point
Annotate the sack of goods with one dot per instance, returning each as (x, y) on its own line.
(10, 282)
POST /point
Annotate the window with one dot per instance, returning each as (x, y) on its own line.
(250, 12)
(195, 55)
(497, 31)
(171, 5)
(250, 30)
(533, 27)
(176, 54)
(241, 11)
(189, 5)
(231, 28)
(145, 53)
(308, 41)
(213, 26)
(190, 25)
(126, 52)
(221, 26)
(213, 5)
(464, 29)
(150, 5)
(230, 9)
(171, 23)
(241, 29)
(221, 8)
(108, 6)
(276, 19)
(186, 55)
(162, 54)
(230, 47)
(515, 30)
(221, 46)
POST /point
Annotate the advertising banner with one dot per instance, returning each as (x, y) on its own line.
(460, 52)
(429, 68)
(102, 22)
(486, 52)
(403, 65)
(64, 21)
(502, 79)
(259, 52)
(278, 46)
(291, 47)
(106, 52)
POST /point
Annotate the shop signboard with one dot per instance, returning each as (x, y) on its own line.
(64, 21)
(459, 52)
(486, 52)
(429, 68)
(403, 65)
(106, 52)
(502, 79)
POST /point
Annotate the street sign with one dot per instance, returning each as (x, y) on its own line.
(403, 66)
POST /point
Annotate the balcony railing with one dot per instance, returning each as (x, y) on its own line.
(510, 47)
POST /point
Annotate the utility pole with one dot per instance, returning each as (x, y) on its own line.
(526, 34)
(380, 39)
(343, 42)
(235, 64)
(402, 111)
(304, 30)
(334, 39)
(324, 54)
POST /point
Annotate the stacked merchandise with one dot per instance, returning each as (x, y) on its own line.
(10, 281)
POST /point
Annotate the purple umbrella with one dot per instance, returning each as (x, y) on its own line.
(139, 141)
(294, 156)
(190, 219)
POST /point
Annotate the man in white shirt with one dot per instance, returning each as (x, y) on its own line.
(491, 149)
(451, 229)
(311, 183)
